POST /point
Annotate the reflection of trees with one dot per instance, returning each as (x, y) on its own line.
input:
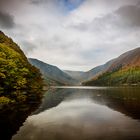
(53, 97)
(13, 114)
(124, 100)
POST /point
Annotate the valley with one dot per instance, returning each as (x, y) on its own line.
(121, 71)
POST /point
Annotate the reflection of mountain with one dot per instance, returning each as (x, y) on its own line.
(124, 100)
(52, 73)
(52, 98)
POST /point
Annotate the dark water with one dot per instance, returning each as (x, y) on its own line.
(85, 114)
(13, 114)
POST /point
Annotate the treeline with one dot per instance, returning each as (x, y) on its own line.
(127, 76)
(16, 72)
(20, 87)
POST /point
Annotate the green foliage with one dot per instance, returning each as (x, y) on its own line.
(128, 76)
(15, 71)
(4, 100)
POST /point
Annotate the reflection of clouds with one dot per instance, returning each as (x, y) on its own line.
(78, 119)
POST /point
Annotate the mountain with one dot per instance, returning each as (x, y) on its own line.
(124, 70)
(97, 70)
(53, 73)
(75, 74)
(85, 76)
(128, 59)
(15, 70)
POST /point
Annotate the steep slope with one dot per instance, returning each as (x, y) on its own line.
(15, 70)
(128, 59)
(125, 70)
(52, 72)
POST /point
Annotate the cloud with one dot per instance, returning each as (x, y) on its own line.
(28, 46)
(81, 37)
(130, 15)
(6, 20)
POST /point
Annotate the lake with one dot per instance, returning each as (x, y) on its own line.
(85, 113)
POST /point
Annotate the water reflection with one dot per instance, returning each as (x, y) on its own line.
(79, 114)
(13, 114)
(124, 100)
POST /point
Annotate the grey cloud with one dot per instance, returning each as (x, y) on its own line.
(3, 2)
(6, 3)
(36, 1)
(130, 15)
(138, 2)
(43, 1)
(124, 18)
(6, 20)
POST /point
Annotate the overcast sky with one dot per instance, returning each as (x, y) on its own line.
(72, 34)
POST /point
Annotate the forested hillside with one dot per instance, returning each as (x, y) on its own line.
(125, 70)
(130, 76)
(15, 70)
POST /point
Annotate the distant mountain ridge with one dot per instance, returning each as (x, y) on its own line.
(75, 74)
(98, 70)
(84, 76)
(119, 69)
(128, 59)
(124, 70)
(52, 73)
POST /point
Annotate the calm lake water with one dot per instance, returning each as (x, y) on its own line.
(85, 114)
